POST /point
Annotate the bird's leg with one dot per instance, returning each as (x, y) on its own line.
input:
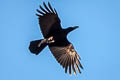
(50, 40)
(47, 40)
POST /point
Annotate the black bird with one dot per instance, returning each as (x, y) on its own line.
(55, 37)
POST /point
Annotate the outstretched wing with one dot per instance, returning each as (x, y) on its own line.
(67, 57)
(48, 20)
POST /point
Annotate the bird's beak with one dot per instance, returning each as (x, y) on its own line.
(76, 27)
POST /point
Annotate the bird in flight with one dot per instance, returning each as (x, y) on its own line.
(55, 37)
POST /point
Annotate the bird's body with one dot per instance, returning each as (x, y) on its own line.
(56, 38)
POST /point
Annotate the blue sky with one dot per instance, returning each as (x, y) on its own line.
(97, 40)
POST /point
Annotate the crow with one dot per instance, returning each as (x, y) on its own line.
(55, 37)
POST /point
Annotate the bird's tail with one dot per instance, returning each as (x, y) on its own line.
(37, 46)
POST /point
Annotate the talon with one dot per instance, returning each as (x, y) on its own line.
(50, 40)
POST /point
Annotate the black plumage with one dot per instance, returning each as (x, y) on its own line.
(56, 38)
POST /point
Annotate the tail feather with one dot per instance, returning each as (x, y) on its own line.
(37, 46)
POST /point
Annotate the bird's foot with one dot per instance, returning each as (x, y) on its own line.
(50, 40)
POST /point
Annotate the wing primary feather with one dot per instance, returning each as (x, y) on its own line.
(55, 11)
(50, 7)
(46, 7)
(38, 15)
(43, 9)
(62, 60)
(40, 12)
(58, 56)
(66, 69)
(65, 61)
(73, 66)
(77, 68)
(70, 66)
(78, 62)
(66, 66)
(78, 56)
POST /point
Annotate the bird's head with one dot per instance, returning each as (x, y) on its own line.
(69, 29)
(74, 27)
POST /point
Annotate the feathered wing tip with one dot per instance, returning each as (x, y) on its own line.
(72, 63)
(48, 9)
(73, 60)
(68, 58)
